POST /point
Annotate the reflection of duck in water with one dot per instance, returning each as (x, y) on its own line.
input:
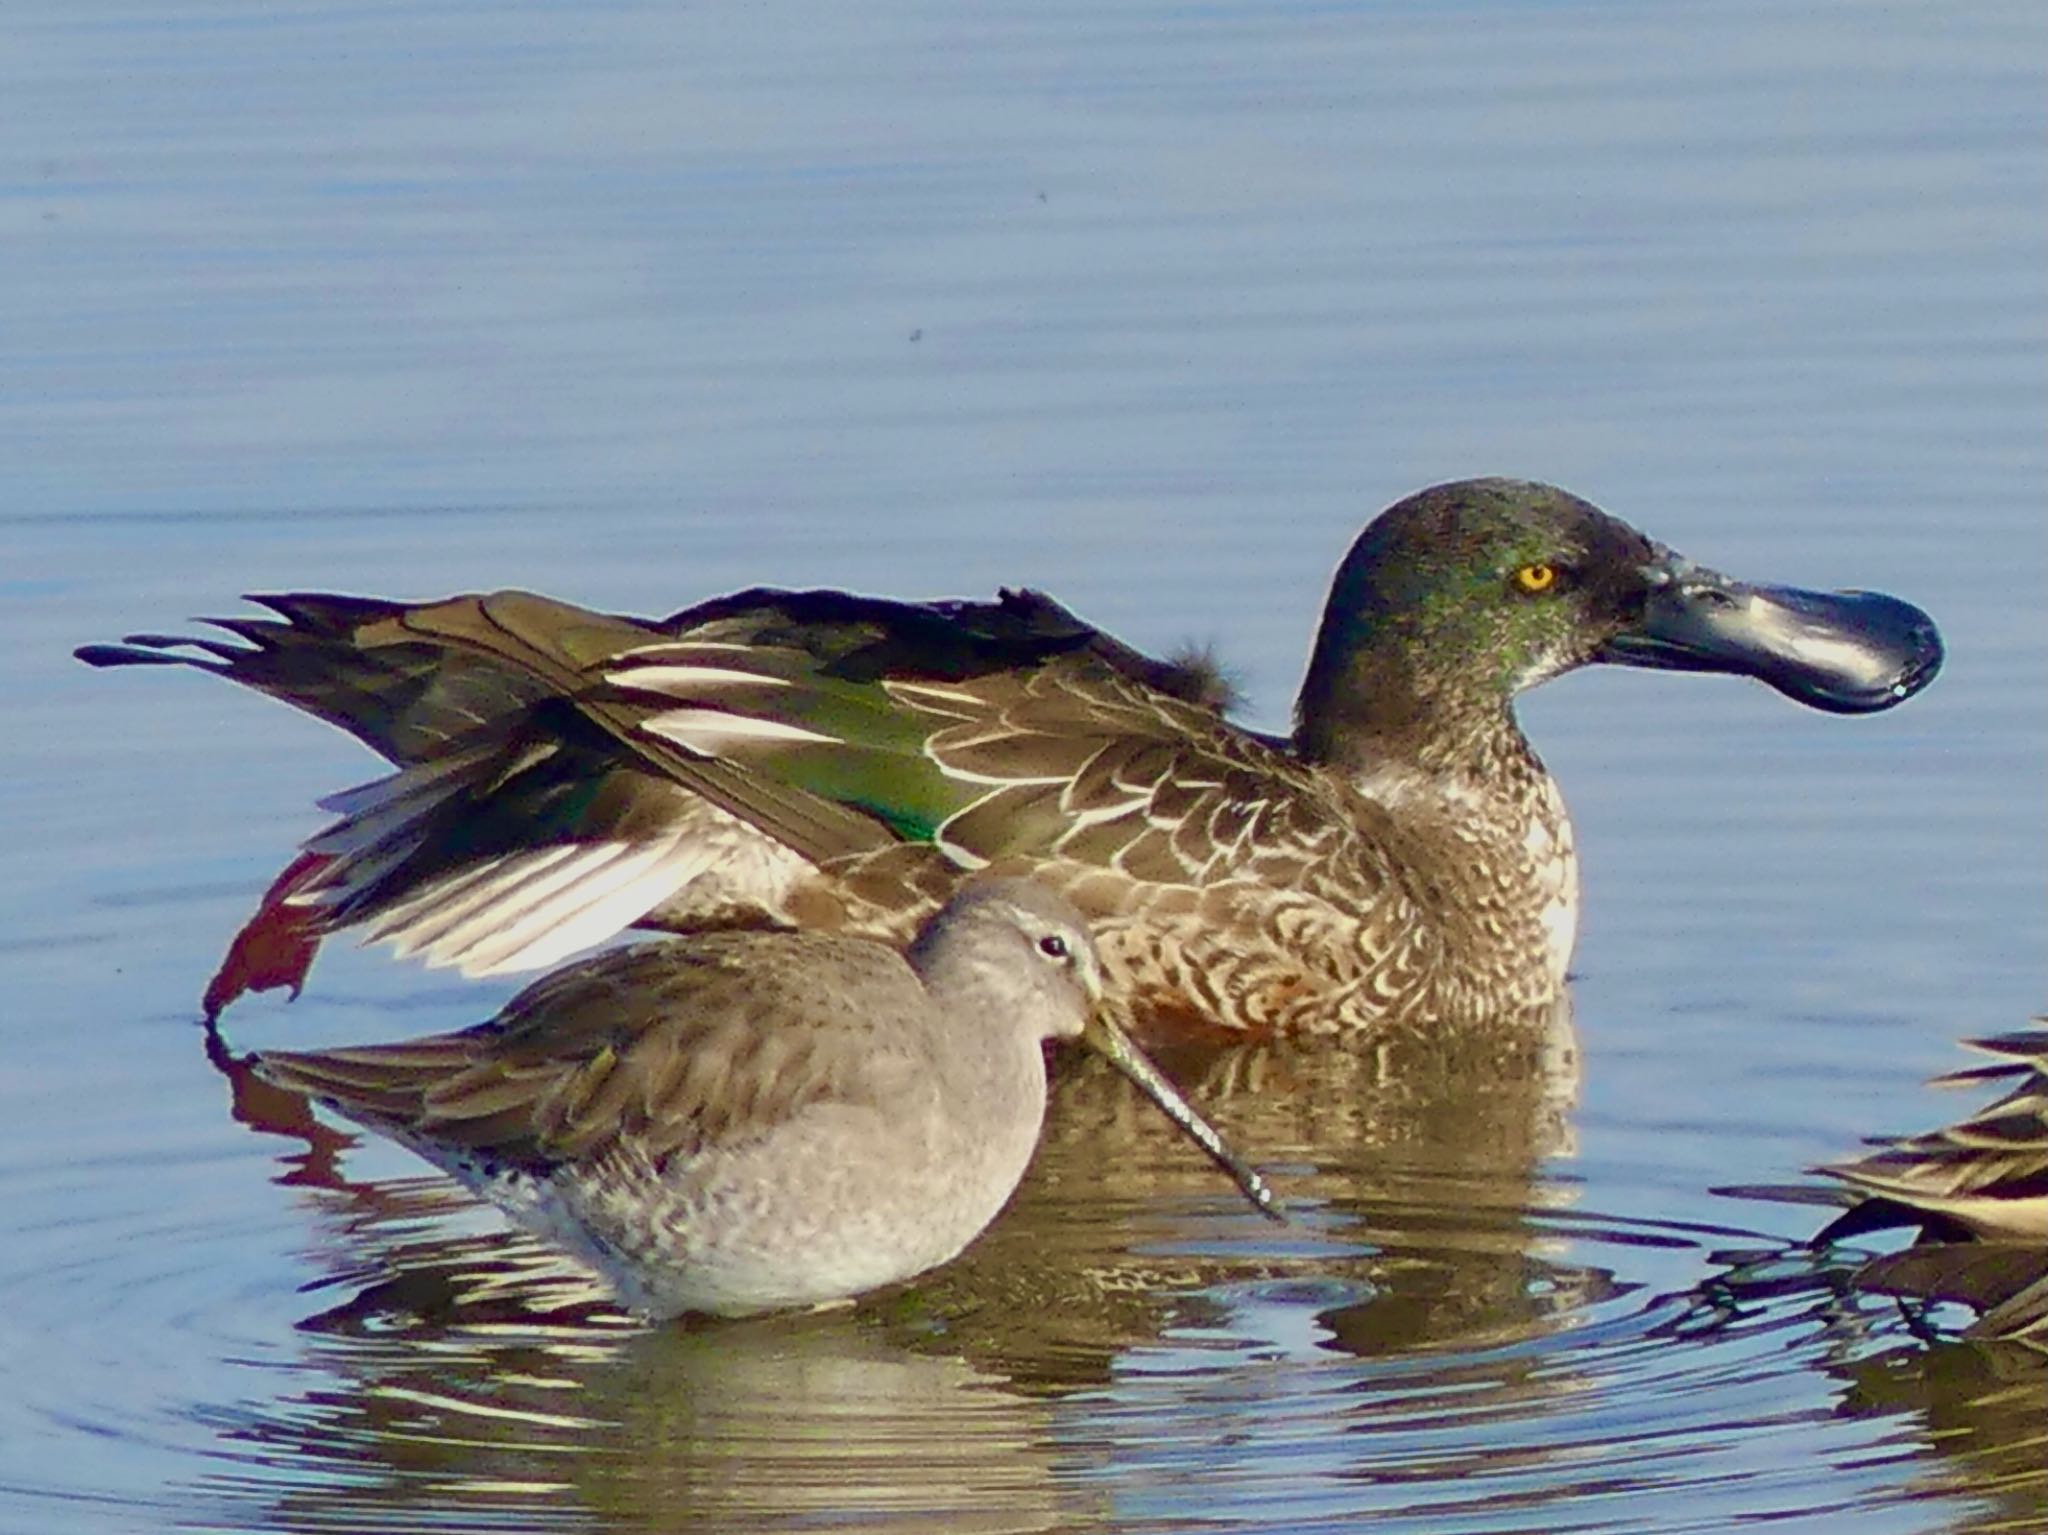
(1419, 1216)
(1977, 1191)
(822, 761)
(748, 1122)
(1975, 1194)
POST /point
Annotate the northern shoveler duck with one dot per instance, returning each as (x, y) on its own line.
(733, 1123)
(1982, 1178)
(1977, 1192)
(824, 761)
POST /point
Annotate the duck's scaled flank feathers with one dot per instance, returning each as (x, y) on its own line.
(1984, 1177)
(1977, 1191)
(743, 1122)
(811, 759)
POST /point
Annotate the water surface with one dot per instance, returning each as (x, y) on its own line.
(1151, 307)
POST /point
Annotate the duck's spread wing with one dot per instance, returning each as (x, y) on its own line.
(406, 679)
(1037, 756)
(530, 815)
(564, 774)
(742, 740)
(669, 1047)
(522, 823)
(890, 745)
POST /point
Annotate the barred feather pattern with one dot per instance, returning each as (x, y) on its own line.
(564, 774)
(1987, 1173)
(1229, 885)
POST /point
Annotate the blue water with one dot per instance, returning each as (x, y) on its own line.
(1151, 306)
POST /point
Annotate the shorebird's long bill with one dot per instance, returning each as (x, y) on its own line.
(1110, 1042)
(1845, 652)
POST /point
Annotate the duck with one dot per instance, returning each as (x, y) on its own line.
(1974, 1193)
(1983, 1178)
(817, 760)
(734, 1123)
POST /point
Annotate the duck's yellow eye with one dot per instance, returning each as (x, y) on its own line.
(1536, 578)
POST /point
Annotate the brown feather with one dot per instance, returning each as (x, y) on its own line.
(661, 1044)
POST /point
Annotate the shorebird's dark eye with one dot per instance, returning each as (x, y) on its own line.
(1052, 946)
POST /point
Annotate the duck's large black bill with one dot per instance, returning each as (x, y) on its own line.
(1846, 652)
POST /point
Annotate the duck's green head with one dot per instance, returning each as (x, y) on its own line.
(1458, 598)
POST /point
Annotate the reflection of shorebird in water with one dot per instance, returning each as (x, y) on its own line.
(475, 1382)
(1975, 1193)
(746, 1122)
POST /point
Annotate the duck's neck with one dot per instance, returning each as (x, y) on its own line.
(1454, 771)
(1366, 709)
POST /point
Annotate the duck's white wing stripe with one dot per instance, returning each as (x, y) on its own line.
(424, 916)
(713, 732)
(512, 902)
(443, 893)
(526, 910)
(680, 681)
(588, 912)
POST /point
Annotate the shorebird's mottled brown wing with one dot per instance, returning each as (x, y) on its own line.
(668, 1047)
